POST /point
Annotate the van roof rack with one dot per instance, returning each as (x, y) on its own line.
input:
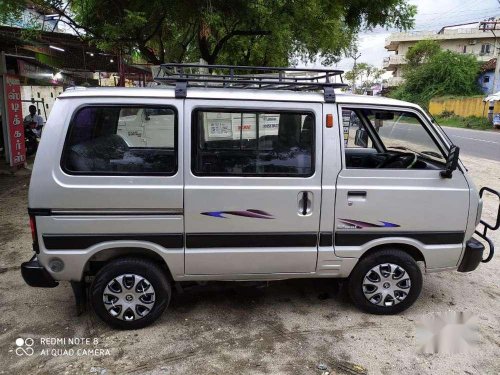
(249, 77)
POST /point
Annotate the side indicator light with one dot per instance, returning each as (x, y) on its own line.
(329, 120)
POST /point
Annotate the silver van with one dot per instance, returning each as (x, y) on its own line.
(232, 176)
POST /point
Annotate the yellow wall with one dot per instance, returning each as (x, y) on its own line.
(463, 107)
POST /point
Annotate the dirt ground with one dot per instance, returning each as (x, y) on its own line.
(288, 327)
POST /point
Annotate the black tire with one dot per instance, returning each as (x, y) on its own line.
(150, 271)
(397, 257)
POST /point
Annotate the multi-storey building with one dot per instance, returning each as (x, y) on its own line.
(461, 38)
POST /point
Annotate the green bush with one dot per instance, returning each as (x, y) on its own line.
(472, 122)
(447, 114)
(436, 72)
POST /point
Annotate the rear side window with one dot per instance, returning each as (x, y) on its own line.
(122, 140)
(238, 143)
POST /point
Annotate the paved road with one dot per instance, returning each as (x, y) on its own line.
(478, 143)
(482, 144)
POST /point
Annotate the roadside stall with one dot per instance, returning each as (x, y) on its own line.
(493, 117)
(35, 72)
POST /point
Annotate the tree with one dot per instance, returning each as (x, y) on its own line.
(260, 32)
(421, 52)
(436, 72)
(367, 73)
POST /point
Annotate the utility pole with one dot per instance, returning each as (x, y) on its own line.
(355, 56)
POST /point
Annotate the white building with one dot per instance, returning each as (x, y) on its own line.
(466, 38)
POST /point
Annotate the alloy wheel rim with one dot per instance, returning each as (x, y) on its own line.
(386, 284)
(129, 297)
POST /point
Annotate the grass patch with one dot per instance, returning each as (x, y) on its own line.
(447, 97)
(473, 122)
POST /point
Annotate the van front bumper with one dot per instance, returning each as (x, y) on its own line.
(34, 274)
(472, 257)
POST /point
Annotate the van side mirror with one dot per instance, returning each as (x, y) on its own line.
(451, 162)
(361, 138)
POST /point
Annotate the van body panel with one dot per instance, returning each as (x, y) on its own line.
(402, 204)
(60, 190)
(110, 224)
(181, 217)
(211, 200)
(94, 205)
(76, 261)
(332, 165)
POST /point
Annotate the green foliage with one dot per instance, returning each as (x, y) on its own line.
(447, 114)
(421, 52)
(472, 122)
(437, 73)
(255, 32)
(11, 11)
(363, 76)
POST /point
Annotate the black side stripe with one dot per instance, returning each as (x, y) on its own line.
(84, 241)
(358, 238)
(242, 240)
(79, 242)
(326, 239)
(210, 240)
(100, 212)
(39, 211)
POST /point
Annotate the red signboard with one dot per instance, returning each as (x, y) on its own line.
(15, 120)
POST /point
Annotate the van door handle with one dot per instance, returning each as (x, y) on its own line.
(356, 193)
(355, 196)
(304, 203)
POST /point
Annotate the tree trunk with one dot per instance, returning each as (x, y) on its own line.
(149, 54)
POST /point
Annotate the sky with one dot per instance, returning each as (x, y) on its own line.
(431, 15)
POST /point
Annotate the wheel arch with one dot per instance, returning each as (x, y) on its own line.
(104, 256)
(411, 250)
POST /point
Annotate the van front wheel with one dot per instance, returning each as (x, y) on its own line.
(386, 282)
(130, 293)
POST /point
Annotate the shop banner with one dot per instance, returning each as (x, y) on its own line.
(15, 120)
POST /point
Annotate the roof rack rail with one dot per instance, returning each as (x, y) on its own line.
(183, 76)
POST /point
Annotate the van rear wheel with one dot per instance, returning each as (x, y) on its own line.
(386, 282)
(130, 293)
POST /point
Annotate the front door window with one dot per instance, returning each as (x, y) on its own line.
(397, 139)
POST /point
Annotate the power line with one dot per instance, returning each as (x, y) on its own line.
(458, 8)
(436, 25)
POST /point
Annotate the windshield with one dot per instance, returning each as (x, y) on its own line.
(403, 131)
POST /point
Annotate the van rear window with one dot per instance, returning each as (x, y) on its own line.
(234, 143)
(122, 140)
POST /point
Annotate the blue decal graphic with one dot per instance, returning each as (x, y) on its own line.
(256, 214)
(363, 224)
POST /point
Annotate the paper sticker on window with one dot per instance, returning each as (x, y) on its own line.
(220, 129)
(346, 119)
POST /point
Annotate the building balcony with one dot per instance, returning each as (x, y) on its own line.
(392, 62)
(392, 42)
(394, 81)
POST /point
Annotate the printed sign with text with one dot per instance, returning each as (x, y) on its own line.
(15, 121)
